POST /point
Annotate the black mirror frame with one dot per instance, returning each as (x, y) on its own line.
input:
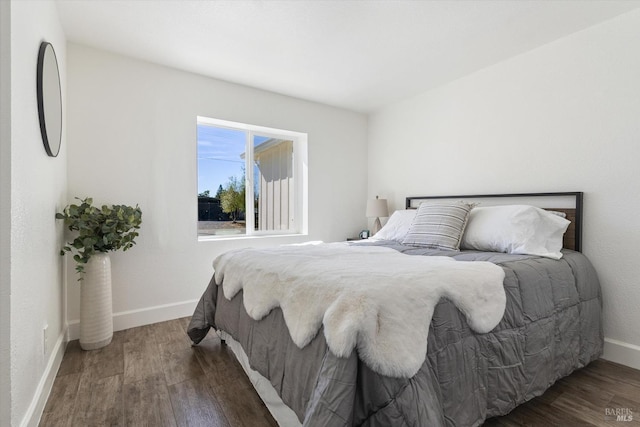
(41, 113)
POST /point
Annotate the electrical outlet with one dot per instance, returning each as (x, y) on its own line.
(44, 339)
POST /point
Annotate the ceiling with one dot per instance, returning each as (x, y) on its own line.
(358, 55)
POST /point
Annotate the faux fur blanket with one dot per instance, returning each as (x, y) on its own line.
(374, 299)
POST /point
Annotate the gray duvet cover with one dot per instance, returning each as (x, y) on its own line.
(551, 326)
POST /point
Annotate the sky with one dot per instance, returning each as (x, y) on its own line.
(219, 151)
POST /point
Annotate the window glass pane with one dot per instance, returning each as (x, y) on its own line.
(221, 181)
(273, 183)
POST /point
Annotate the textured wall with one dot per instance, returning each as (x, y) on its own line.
(561, 117)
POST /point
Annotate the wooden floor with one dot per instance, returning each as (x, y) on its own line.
(591, 396)
(151, 376)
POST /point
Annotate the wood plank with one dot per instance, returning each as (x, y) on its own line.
(99, 402)
(536, 413)
(141, 360)
(616, 371)
(575, 408)
(550, 395)
(194, 405)
(106, 361)
(179, 363)
(587, 390)
(627, 389)
(619, 405)
(73, 360)
(249, 411)
(217, 361)
(140, 334)
(227, 380)
(171, 332)
(185, 322)
(147, 402)
(61, 401)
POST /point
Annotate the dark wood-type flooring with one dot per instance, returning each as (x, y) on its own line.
(151, 376)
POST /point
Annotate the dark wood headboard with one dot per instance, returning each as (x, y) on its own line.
(569, 202)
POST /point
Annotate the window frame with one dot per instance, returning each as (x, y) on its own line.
(299, 225)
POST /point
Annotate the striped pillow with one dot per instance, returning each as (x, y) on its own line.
(438, 226)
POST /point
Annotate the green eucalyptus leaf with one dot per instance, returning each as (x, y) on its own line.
(101, 229)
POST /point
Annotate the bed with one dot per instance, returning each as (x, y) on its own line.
(549, 326)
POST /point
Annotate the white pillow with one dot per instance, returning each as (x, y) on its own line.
(515, 229)
(397, 226)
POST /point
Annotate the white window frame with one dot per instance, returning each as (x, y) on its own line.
(300, 178)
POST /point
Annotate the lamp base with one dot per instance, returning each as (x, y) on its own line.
(376, 227)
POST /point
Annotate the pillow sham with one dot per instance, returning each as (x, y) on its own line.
(515, 229)
(438, 225)
(397, 226)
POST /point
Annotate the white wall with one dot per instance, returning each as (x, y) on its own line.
(563, 117)
(132, 139)
(5, 212)
(38, 188)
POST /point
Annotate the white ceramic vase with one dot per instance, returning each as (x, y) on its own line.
(96, 320)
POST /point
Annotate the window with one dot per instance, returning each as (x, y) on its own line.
(252, 180)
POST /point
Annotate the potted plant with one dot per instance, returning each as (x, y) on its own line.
(97, 231)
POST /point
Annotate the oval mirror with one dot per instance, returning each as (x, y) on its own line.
(49, 99)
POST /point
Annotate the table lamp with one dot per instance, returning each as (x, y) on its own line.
(377, 208)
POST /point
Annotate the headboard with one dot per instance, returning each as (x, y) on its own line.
(568, 202)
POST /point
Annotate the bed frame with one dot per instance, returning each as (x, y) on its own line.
(568, 202)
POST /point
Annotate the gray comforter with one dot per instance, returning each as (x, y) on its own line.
(551, 326)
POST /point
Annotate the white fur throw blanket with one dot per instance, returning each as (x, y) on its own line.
(371, 298)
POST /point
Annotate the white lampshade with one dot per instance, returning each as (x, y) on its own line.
(377, 208)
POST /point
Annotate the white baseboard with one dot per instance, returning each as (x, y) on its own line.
(144, 316)
(34, 412)
(622, 353)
